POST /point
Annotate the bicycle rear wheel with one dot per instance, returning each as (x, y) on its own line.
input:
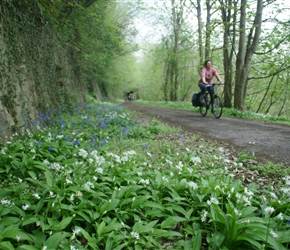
(203, 110)
(217, 108)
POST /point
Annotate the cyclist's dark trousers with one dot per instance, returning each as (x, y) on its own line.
(203, 87)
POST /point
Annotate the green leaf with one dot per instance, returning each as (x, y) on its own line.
(171, 221)
(29, 220)
(49, 178)
(196, 242)
(152, 205)
(6, 245)
(32, 175)
(100, 228)
(53, 241)
(64, 223)
(181, 185)
(12, 232)
(217, 239)
(6, 221)
(165, 233)
(284, 236)
(110, 241)
(27, 247)
(249, 240)
(139, 201)
(109, 205)
(248, 210)
(179, 209)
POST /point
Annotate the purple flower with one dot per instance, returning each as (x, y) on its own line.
(102, 124)
(50, 149)
(76, 142)
(39, 143)
(125, 131)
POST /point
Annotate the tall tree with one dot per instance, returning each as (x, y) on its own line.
(246, 49)
(229, 13)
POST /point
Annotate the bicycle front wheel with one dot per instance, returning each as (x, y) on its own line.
(217, 108)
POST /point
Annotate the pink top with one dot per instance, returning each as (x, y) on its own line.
(208, 75)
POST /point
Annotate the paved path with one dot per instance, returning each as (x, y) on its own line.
(267, 140)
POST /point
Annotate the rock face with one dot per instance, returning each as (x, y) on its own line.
(6, 123)
(38, 71)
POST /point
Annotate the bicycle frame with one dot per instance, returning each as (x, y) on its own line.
(215, 103)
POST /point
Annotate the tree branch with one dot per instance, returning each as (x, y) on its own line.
(275, 47)
(267, 76)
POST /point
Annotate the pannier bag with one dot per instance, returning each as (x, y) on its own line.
(195, 99)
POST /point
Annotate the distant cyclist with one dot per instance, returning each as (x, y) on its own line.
(129, 96)
(205, 82)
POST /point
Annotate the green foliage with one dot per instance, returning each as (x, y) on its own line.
(98, 178)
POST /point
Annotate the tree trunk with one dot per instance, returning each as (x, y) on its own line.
(207, 30)
(199, 21)
(245, 53)
(228, 50)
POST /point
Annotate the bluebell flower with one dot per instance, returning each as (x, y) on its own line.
(102, 124)
(76, 142)
(73, 123)
(125, 130)
(50, 149)
(68, 139)
(39, 143)
(145, 145)
(181, 136)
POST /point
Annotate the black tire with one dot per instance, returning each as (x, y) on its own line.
(217, 108)
(203, 110)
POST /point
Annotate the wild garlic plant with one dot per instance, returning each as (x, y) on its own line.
(98, 178)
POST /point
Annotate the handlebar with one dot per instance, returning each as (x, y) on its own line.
(214, 84)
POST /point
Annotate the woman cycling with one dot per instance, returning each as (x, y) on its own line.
(205, 82)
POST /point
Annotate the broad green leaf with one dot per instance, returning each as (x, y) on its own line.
(141, 228)
(196, 242)
(30, 220)
(217, 239)
(181, 185)
(270, 240)
(249, 240)
(171, 221)
(6, 245)
(139, 200)
(110, 241)
(109, 205)
(164, 233)
(27, 247)
(179, 209)
(6, 221)
(92, 242)
(100, 228)
(13, 232)
(85, 216)
(152, 204)
(159, 179)
(49, 178)
(248, 211)
(32, 175)
(284, 236)
(64, 223)
(54, 240)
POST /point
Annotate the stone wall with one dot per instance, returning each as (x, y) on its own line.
(38, 72)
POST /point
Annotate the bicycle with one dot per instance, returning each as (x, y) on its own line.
(216, 104)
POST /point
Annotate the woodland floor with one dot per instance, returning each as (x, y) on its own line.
(267, 141)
